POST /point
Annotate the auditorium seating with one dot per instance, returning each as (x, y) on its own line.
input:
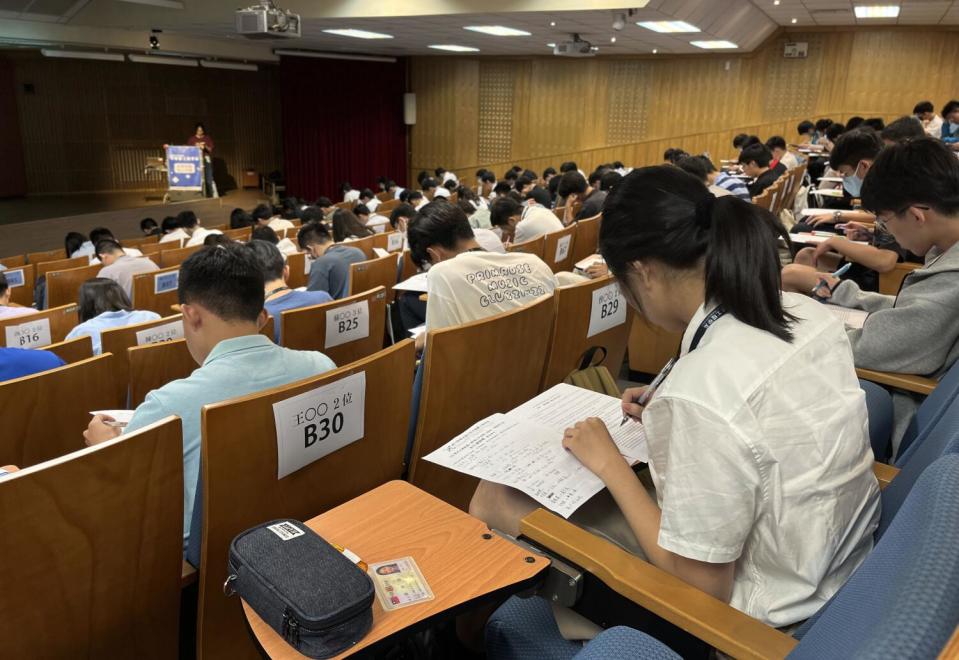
(46, 255)
(53, 409)
(651, 347)
(118, 340)
(58, 321)
(240, 486)
(366, 275)
(44, 267)
(317, 328)
(299, 273)
(91, 564)
(587, 238)
(176, 256)
(154, 365)
(460, 390)
(73, 350)
(63, 286)
(21, 294)
(535, 246)
(890, 282)
(558, 249)
(569, 341)
(14, 261)
(365, 244)
(146, 285)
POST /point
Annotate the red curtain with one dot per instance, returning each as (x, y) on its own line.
(13, 177)
(342, 121)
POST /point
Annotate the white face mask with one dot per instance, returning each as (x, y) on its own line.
(953, 127)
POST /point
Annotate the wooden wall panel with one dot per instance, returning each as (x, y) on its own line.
(496, 85)
(87, 126)
(633, 108)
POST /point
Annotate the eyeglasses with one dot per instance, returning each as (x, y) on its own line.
(882, 223)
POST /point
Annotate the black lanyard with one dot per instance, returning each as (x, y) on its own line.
(707, 323)
(276, 291)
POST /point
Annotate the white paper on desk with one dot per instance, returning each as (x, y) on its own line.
(827, 192)
(809, 212)
(416, 283)
(815, 239)
(524, 448)
(833, 179)
(380, 252)
(121, 418)
(417, 331)
(589, 261)
(851, 318)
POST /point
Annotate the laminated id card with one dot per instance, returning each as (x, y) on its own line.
(399, 583)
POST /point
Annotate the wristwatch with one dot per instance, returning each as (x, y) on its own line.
(836, 216)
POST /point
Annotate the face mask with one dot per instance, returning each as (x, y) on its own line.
(853, 183)
(953, 127)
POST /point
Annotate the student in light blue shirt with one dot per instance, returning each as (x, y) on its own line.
(330, 271)
(221, 295)
(103, 304)
(280, 297)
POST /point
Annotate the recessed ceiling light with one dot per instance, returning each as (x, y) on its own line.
(668, 26)
(714, 44)
(794, 21)
(552, 23)
(595, 49)
(455, 49)
(655, 50)
(612, 40)
(551, 45)
(497, 30)
(877, 11)
(359, 34)
(776, 3)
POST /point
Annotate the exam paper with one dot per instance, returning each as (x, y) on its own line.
(852, 318)
(524, 448)
(416, 283)
(121, 418)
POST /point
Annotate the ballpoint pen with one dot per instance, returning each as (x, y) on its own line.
(648, 393)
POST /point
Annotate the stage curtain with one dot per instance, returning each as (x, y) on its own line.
(13, 177)
(342, 121)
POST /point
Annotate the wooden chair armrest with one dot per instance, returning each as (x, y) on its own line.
(917, 384)
(884, 473)
(699, 614)
(187, 575)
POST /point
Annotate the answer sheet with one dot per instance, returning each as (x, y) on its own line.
(852, 318)
(524, 448)
(416, 283)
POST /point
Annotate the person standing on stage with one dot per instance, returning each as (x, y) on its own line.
(205, 142)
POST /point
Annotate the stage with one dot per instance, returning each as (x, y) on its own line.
(29, 224)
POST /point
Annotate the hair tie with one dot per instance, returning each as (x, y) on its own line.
(704, 211)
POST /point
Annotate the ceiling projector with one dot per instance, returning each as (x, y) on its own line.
(267, 21)
(575, 48)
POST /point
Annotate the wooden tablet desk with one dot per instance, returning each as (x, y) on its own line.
(463, 563)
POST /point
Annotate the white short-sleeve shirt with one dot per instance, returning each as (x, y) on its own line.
(760, 454)
(475, 285)
(536, 221)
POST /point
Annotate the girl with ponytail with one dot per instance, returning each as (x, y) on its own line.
(764, 492)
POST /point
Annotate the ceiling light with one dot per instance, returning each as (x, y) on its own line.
(612, 40)
(453, 48)
(714, 44)
(794, 21)
(655, 50)
(668, 26)
(157, 59)
(359, 34)
(551, 45)
(497, 30)
(332, 56)
(552, 23)
(619, 22)
(776, 3)
(234, 66)
(877, 11)
(82, 55)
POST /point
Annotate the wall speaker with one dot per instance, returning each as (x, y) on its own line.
(409, 109)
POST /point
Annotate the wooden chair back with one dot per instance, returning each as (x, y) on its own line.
(14, 261)
(220, 228)
(140, 242)
(52, 410)
(890, 282)
(240, 486)
(73, 350)
(383, 240)
(145, 286)
(366, 244)
(586, 242)
(387, 206)
(454, 397)
(176, 256)
(299, 274)
(241, 234)
(650, 347)
(307, 328)
(535, 246)
(118, 340)
(581, 308)
(97, 551)
(384, 196)
(21, 281)
(44, 267)
(345, 205)
(58, 321)
(560, 212)
(408, 269)
(154, 365)
(151, 250)
(558, 250)
(46, 255)
(366, 275)
(63, 286)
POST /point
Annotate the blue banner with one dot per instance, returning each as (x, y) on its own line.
(184, 167)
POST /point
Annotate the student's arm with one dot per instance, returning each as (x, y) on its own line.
(914, 337)
(844, 216)
(848, 294)
(881, 261)
(708, 502)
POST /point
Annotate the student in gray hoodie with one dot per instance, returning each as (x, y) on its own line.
(913, 188)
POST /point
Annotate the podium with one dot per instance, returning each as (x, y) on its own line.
(184, 166)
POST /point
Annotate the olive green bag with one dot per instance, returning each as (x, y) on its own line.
(594, 376)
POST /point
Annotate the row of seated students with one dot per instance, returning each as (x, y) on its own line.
(760, 490)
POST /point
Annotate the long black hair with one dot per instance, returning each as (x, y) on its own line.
(99, 295)
(664, 214)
